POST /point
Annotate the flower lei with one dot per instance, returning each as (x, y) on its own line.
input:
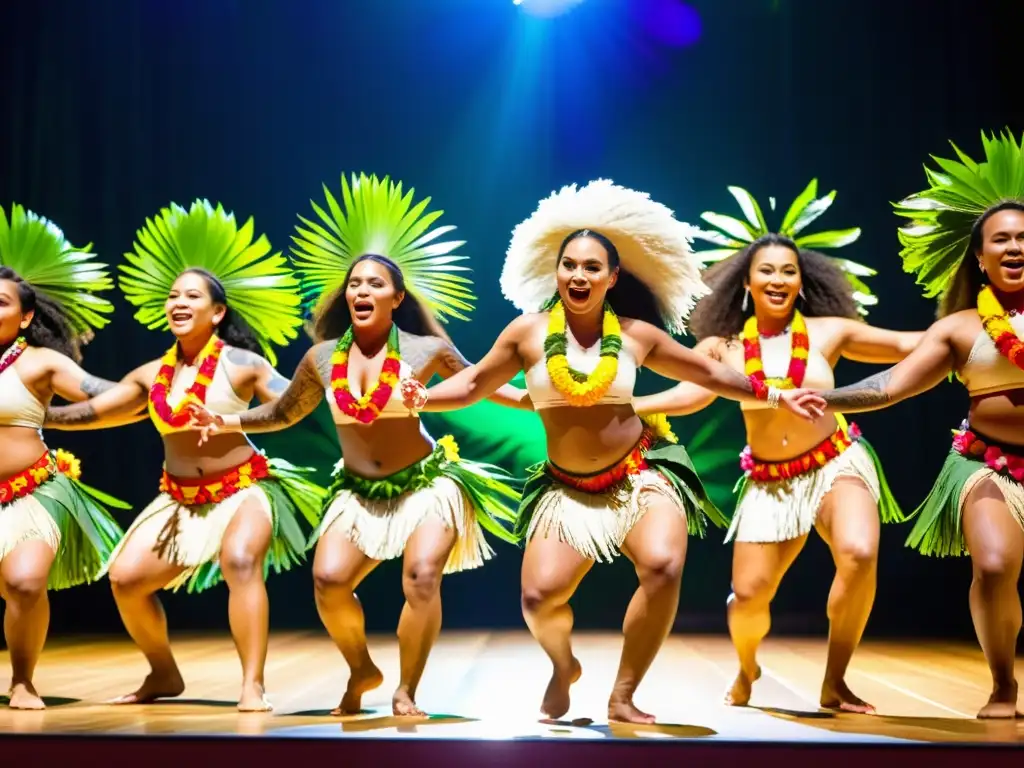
(997, 325)
(12, 353)
(30, 478)
(580, 389)
(753, 367)
(178, 417)
(369, 406)
(966, 443)
(194, 492)
(816, 458)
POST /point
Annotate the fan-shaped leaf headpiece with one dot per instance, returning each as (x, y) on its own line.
(941, 217)
(259, 287)
(376, 216)
(37, 250)
(736, 234)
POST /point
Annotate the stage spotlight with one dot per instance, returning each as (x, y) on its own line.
(546, 8)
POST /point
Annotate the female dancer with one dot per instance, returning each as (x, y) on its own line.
(785, 313)
(600, 272)
(224, 510)
(54, 531)
(396, 493)
(965, 242)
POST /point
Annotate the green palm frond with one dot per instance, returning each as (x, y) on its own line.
(260, 287)
(714, 449)
(732, 234)
(941, 217)
(376, 216)
(37, 250)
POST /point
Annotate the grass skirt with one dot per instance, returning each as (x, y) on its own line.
(70, 517)
(595, 520)
(772, 511)
(379, 515)
(938, 531)
(190, 535)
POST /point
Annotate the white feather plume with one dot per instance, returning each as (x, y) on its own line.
(653, 246)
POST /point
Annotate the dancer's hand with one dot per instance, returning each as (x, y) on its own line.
(414, 394)
(805, 403)
(206, 421)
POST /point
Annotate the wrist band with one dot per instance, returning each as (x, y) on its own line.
(774, 395)
(761, 389)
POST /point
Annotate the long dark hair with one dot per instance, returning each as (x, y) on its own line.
(49, 326)
(233, 329)
(334, 318)
(968, 280)
(629, 297)
(827, 292)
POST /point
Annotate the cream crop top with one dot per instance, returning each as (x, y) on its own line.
(394, 407)
(775, 354)
(18, 406)
(986, 370)
(544, 395)
(220, 395)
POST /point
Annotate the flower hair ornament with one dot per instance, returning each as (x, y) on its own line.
(732, 234)
(936, 238)
(259, 285)
(38, 251)
(653, 246)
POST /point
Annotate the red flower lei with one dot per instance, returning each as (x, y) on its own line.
(178, 417)
(996, 322)
(369, 406)
(797, 361)
(12, 353)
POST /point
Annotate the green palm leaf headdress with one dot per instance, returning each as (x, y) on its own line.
(376, 216)
(259, 286)
(37, 250)
(941, 217)
(735, 234)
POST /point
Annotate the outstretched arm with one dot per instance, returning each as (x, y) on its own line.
(686, 397)
(451, 362)
(925, 367)
(110, 404)
(267, 382)
(473, 384)
(299, 399)
(867, 344)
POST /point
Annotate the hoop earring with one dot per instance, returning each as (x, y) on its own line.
(746, 297)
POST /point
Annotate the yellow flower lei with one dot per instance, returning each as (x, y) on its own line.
(581, 390)
(996, 322)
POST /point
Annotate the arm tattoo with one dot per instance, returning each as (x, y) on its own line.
(323, 353)
(418, 352)
(865, 393)
(79, 413)
(453, 360)
(93, 385)
(297, 401)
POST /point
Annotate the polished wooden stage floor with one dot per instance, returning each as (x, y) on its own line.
(487, 686)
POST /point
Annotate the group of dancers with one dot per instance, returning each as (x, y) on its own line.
(604, 277)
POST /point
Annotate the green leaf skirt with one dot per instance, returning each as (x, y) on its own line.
(191, 535)
(379, 515)
(595, 523)
(72, 518)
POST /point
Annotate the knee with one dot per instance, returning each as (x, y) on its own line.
(25, 588)
(535, 598)
(241, 565)
(751, 592)
(661, 572)
(421, 582)
(857, 557)
(329, 581)
(125, 582)
(993, 569)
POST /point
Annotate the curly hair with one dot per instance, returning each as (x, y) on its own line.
(333, 317)
(826, 291)
(233, 329)
(49, 326)
(968, 280)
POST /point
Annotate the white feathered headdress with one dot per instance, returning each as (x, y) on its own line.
(653, 247)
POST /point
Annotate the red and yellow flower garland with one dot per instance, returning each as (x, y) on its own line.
(12, 353)
(193, 491)
(26, 481)
(996, 323)
(369, 406)
(579, 389)
(178, 417)
(754, 368)
(967, 443)
(816, 458)
(633, 463)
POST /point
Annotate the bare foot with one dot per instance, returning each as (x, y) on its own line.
(625, 711)
(402, 704)
(1002, 704)
(24, 696)
(739, 694)
(360, 681)
(162, 685)
(254, 699)
(837, 695)
(556, 697)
